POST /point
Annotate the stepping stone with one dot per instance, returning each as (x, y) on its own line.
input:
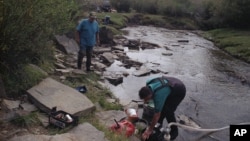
(142, 72)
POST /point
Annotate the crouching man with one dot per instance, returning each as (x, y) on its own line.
(166, 94)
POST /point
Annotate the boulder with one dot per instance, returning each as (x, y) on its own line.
(118, 47)
(33, 137)
(128, 63)
(99, 66)
(67, 45)
(49, 93)
(106, 35)
(183, 41)
(142, 72)
(82, 132)
(64, 71)
(115, 80)
(108, 58)
(100, 50)
(147, 45)
(9, 105)
(87, 132)
(167, 54)
(133, 44)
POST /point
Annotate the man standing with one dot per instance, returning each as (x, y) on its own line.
(87, 35)
(166, 94)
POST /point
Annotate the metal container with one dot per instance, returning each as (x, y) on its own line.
(148, 113)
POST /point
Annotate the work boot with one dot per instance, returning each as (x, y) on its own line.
(89, 70)
(173, 133)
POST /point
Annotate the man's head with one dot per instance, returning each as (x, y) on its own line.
(92, 16)
(145, 93)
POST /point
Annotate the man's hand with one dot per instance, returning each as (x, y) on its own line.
(98, 42)
(78, 41)
(77, 37)
(146, 134)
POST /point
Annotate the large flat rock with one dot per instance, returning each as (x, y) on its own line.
(83, 132)
(87, 132)
(32, 137)
(50, 93)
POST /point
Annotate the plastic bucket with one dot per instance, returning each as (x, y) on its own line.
(148, 113)
(131, 114)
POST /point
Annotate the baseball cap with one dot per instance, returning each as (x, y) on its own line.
(92, 15)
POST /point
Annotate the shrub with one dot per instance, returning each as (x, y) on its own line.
(121, 5)
(26, 27)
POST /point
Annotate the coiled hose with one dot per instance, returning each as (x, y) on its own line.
(168, 129)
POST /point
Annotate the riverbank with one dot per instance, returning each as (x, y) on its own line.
(233, 41)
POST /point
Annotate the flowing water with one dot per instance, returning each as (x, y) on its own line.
(218, 91)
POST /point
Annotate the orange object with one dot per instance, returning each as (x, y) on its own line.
(123, 127)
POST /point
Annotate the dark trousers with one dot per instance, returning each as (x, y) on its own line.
(81, 54)
(178, 92)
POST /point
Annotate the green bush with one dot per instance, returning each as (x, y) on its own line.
(236, 13)
(209, 14)
(121, 5)
(176, 8)
(26, 27)
(145, 6)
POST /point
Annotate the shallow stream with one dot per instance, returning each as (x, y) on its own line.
(218, 91)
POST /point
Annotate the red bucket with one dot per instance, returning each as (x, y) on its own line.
(123, 127)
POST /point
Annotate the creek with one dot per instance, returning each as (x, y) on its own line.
(218, 91)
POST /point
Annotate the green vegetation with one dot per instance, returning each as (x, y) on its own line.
(118, 21)
(235, 42)
(207, 13)
(26, 27)
(121, 20)
(95, 92)
(27, 121)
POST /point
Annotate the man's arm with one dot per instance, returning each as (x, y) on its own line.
(154, 120)
(97, 38)
(77, 37)
(150, 129)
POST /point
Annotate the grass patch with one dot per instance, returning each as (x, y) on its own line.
(118, 20)
(27, 120)
(235, 42)
(21, 79)
(114, 30)
(95, 92)
(121, 20)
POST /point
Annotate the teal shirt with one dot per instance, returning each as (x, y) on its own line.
(160, 96)
(87, 31)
